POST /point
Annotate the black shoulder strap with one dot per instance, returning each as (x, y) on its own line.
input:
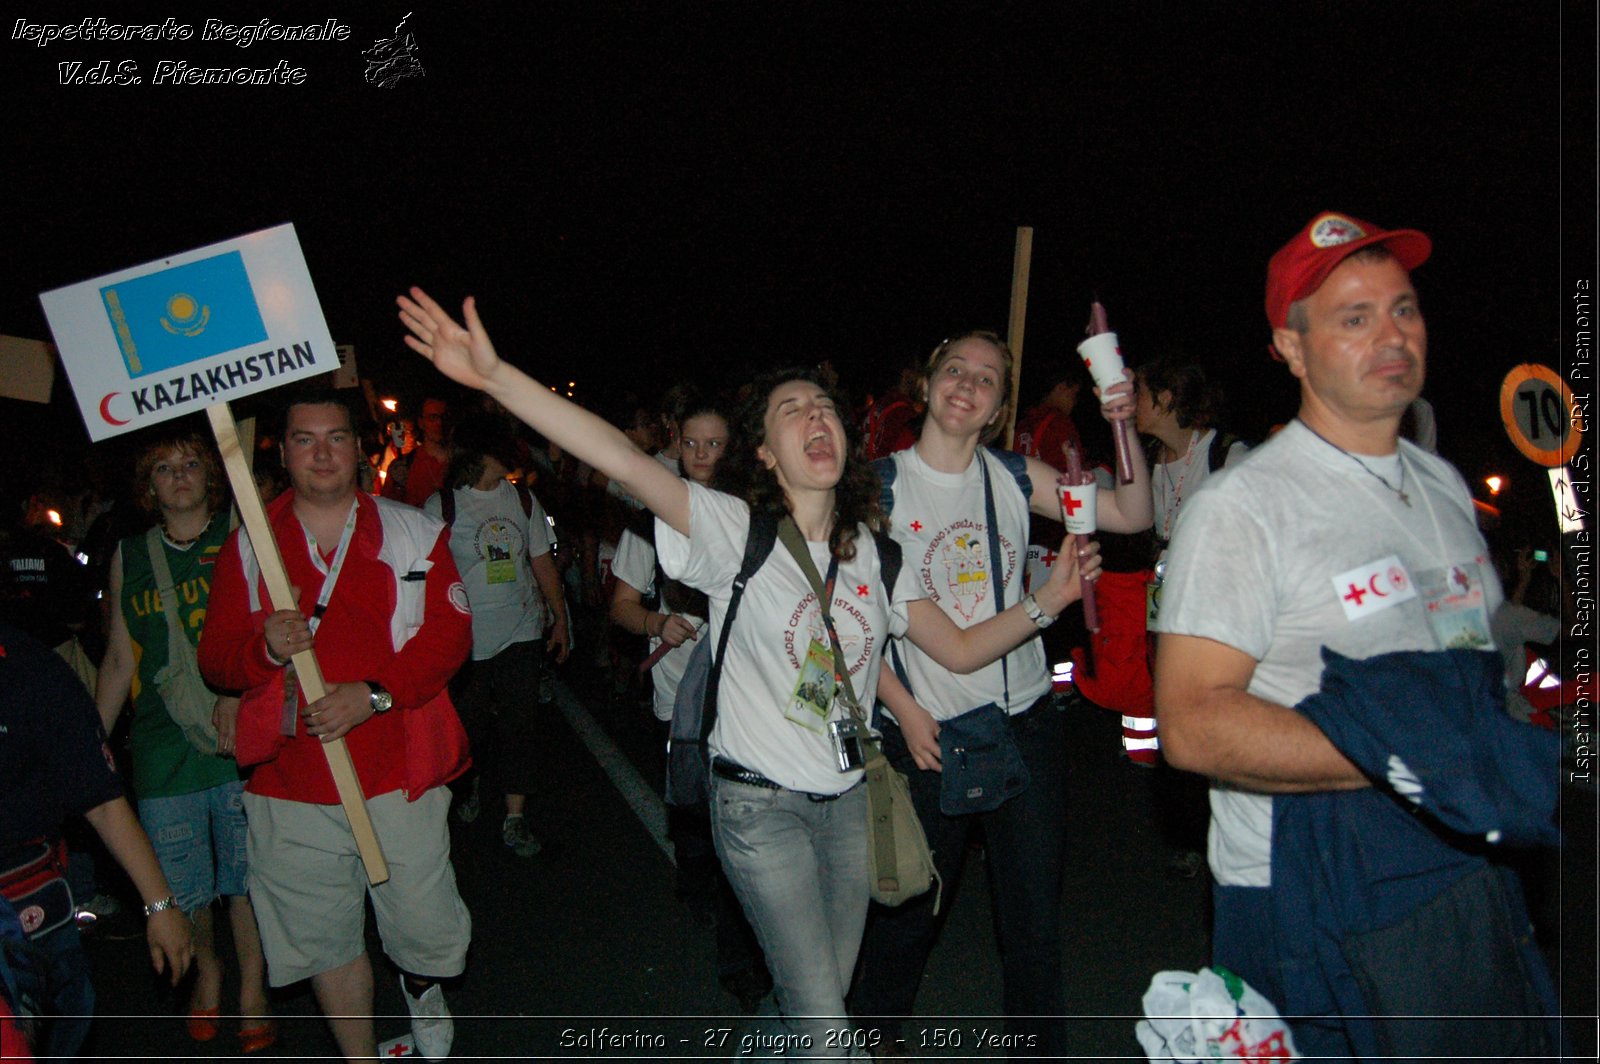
(763, 534)
(1217, 453)
(525, 495)
(886, 470)
(1017, 466)
(447, 505)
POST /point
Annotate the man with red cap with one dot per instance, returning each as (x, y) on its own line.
(1339, 546)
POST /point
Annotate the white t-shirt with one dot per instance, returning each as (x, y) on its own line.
(1173, 482)
(635, 565)
(1300, 548)
(778, 620)
(493, 542)
(940, 524)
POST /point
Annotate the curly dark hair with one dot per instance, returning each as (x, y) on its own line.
(742, 473)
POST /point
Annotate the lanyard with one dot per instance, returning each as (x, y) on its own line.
(330, 572)
(789, 535)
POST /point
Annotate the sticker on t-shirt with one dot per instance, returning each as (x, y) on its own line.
(1458, 609)
(1374, 587)
(498, 544)
(812, 699)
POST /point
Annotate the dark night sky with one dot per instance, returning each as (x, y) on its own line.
(641, 191)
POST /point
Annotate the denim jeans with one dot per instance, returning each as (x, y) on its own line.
(1025, 839)
(799, 869)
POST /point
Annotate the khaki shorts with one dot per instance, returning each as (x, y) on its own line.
(307, 885)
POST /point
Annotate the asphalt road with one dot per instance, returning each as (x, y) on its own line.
(583, 952)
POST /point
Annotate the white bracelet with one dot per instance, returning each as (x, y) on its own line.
(169, 902)
(1040, 619)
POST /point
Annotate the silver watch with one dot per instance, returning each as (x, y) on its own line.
(1040, 619)
(382, 700)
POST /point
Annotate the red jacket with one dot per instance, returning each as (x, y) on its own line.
(411, 647)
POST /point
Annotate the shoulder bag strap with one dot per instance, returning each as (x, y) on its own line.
(169, 596)
(795, 543)
(997, 568)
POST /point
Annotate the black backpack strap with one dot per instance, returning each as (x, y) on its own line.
(1017, 466)
(886, 470)
(763, 534)
(525, 495)
(447, 505)
(1217, 453)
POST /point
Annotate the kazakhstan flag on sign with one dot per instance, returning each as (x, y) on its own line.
(185, 314)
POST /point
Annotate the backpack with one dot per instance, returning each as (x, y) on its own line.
(1015, 464)
(694, 709)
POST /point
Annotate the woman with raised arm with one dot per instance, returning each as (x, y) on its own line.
(789, 824)
(960, 515)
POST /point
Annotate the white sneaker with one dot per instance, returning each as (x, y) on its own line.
(431, 1025)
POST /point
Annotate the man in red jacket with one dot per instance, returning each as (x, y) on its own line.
(381, 600)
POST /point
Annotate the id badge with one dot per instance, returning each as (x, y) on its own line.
(812, 699)
(1458, 610)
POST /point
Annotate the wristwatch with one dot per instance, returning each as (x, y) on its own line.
(382, 700)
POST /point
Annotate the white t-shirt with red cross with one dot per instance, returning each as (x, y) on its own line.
(777, 622)
(939, 521)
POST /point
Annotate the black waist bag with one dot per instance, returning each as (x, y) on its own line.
(983, 769)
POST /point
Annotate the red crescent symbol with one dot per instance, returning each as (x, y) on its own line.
(1372, 586)
(105, 410)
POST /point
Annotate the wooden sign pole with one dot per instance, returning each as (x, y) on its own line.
(1021, 264)
(306, 668)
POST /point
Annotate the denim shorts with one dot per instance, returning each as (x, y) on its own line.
(199, 839)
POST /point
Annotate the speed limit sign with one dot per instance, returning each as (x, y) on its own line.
(1536, 407)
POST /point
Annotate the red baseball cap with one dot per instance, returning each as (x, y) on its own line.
(1300, 266)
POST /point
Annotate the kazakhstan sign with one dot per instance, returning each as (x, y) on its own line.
(170, 338)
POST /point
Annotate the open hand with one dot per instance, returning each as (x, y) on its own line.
(170, 936)
(465, 355)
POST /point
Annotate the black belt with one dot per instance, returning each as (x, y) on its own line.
(732, 770)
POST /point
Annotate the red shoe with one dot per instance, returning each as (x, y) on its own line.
(202, 1023)
(255, 1039)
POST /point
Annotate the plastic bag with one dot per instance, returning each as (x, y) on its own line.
(1211, 1015)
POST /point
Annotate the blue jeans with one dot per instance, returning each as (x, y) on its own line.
(1026, 839)
(199, 838)
(799, 869)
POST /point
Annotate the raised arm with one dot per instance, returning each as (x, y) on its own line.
(965, 650)
(466, 356)
(1212, 725)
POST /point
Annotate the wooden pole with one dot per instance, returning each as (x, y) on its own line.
(306, 668)
(1021, 264)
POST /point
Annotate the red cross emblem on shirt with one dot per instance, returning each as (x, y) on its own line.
(1049, 557)
(1071, 505)
(861, 590)
(916, 526)
(1356, 594)
(400, 1050)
